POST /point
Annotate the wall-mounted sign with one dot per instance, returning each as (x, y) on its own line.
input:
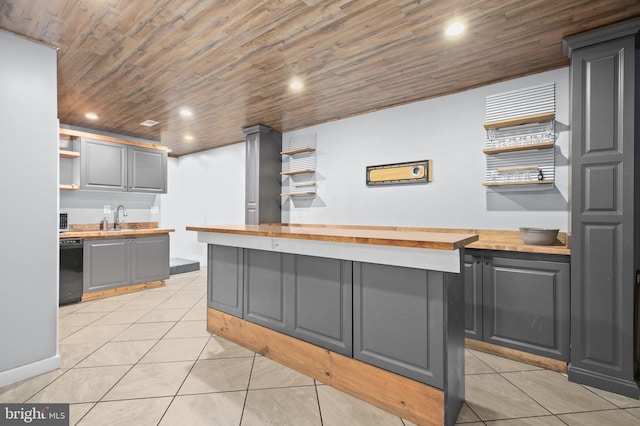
(400, 173)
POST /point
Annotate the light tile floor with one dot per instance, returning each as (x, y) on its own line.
(146, 359)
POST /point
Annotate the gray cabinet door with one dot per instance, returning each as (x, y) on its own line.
(321, 312)
(605, 129)
(149, 259)
(147, 170)
(264, 288)
(263, 179)
(526, 305)
(103, 165)
(398, 320)
(224, 279)
(106, 264)
(473, 297)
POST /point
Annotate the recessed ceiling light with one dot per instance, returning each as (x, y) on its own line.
(91, 115)
(296, 84)
(185, 112)
(188, 137)
(455, 29)
(149, 123)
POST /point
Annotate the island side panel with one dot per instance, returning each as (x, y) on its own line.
(399, 321)
(454, 334)
(224, 279)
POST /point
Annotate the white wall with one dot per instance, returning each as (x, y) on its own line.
(447, 130)
(29, 225)
(205, 188)
(208, 188)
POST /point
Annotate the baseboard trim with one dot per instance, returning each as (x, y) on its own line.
(527, 358)
(602, 381)
(101, 294)
(29, 370)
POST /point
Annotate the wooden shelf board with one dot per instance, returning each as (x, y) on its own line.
(529, 119)
(517, 169)
(69, 186)
(297, 172)
(539, 182)
(544, 145)
(293, 194)
(69, 154)
(79, 134)
(297, 151)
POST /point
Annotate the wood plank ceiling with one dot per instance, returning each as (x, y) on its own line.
(230, 61)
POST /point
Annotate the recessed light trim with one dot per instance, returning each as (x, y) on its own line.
(454, 29)
(296, 85)
(186, 112)
(149, 123)
(91, 115)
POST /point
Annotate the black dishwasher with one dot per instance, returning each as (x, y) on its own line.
(70, 270)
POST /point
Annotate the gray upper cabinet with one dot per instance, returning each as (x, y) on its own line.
(103, 165)
(147, 170)
(110, 166)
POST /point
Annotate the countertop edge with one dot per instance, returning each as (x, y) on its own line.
(114, 234)
(457, 241)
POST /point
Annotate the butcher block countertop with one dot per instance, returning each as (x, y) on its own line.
(135, 229)
(346, 234)
(442, 238)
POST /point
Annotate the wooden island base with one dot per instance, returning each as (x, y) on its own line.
(101, 294)
(406, 398)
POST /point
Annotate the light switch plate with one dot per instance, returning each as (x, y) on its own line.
(107, 209)
(155, 210)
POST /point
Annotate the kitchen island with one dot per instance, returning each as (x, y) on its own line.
(374, 312)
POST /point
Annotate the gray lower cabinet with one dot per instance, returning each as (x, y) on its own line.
(473, 296)
(106, 264)
(110, 166)
(224, 279)
(117, 262)
(398, 320)
(524, 302)
(149, 259)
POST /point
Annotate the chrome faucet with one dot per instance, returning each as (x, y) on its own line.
(116, 217)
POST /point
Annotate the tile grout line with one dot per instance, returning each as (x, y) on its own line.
(246, 394)
(131, 368)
